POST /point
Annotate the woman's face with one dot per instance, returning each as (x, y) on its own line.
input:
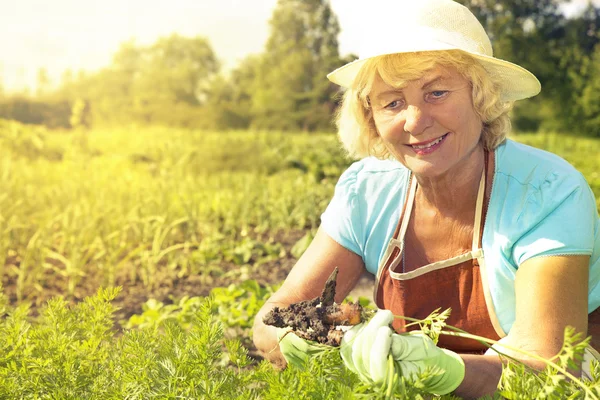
(430, 125)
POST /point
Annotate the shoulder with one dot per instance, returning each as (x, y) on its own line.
(365, 207)
(374, 166)
(530, 176)
(540, 204)
(371, 175)
(533, 169)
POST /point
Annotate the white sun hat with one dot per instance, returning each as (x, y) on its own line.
(406, 26)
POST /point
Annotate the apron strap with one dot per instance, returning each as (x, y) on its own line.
(478, 212)
(408, 210)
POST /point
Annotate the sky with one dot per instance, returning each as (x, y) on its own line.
(84, 34)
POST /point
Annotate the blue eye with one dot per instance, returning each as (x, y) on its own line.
(393, 104)
(435, 95)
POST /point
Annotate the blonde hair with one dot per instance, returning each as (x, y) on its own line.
(356, 127)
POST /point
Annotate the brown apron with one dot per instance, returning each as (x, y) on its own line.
(454, 283)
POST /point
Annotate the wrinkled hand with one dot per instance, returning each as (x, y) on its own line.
(365, 350)
(296, 350)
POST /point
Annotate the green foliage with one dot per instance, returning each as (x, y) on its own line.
(162, 83)
(141, 206)
(290, 88)
(51, 111)
(165, 83)
(229, 103)
(64, 353)
(27, 142)
(71, 352)
(177, 363)
(235, 306)
(558, 50)
(155, 313)
(176, 82)
(433, 325)
(80, 117)
(250, 250)
(588, 90)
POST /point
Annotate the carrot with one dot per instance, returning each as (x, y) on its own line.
(344, 314)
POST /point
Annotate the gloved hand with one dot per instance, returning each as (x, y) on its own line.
(416, 351)
(365, 350)
(296, 350)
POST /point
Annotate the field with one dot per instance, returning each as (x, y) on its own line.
(160, 212)
(172, 216)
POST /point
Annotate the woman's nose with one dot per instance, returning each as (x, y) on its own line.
(416, 120)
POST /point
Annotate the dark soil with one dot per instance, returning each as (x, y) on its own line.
(315, 319)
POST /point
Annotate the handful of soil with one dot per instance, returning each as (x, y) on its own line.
(320, 319)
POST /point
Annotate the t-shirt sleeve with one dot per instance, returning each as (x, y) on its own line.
(558, 218)
(341, 219)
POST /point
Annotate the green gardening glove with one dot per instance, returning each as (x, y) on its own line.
(365, 350)
(296, 350)
(416, 352)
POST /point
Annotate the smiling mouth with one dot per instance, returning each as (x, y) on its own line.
(428, 145)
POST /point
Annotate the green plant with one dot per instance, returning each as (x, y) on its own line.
(72, 352)
(235, 307)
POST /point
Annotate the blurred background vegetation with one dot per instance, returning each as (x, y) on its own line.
(178, 81)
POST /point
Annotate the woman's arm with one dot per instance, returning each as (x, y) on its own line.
(551, 294)
(306, 281)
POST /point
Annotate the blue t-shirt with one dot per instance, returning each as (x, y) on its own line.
(540, 205)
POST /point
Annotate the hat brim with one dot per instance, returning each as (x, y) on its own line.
(516, 83)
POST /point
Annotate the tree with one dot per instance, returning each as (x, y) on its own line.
(580, 58)
(170, 78)
(165, 83)
(538, 36)
(588, 100)
(527, 32)
(182, 66)
(230, 98)
(291, 89)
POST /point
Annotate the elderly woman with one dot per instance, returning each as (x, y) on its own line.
(444, 210)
